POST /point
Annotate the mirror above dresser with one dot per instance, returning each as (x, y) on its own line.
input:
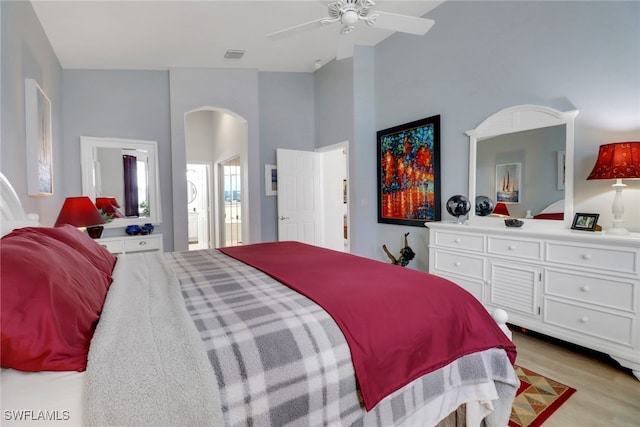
(522, 156)
(124, 170)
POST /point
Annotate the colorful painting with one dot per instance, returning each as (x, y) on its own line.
(409, 173)
(508, 183)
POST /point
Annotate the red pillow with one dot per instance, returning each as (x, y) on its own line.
(96, 254)
(51, 297)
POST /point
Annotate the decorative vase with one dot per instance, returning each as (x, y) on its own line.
(132, 230)
(147, 228)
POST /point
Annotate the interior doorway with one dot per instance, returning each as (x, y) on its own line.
(230, 178)
(218, 137)
(198, 206)
(313, 196)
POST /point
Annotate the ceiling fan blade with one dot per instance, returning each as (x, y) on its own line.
(403, 23)
(345, 46)
(292, 31)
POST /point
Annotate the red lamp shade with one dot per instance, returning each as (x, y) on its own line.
(618, 160)
(109, 205)
(501, 209)
(79, 212)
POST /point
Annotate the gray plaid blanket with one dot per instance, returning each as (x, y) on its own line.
(279, 359)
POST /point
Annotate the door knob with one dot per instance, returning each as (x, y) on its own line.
(282, 218)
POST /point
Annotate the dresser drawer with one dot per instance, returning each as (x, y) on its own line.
(611, 258)
(527, 249)
(599, 290)
(149, 243)
(114, 246)
(461, 241)
(607, 326)
(457, 264)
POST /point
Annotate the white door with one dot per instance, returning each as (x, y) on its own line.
(299, 196)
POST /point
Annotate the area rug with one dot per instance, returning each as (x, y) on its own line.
(537, 398)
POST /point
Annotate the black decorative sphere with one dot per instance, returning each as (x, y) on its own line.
(484, 206)
(458, 206)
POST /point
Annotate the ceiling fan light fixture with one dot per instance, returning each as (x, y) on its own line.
(234, 54)
(349, 18)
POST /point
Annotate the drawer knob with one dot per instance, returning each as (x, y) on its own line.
(142, 242)
(584, 319)
(457, 263)
(585, 288)
(512, 247)
(586, 256)
(458, 240)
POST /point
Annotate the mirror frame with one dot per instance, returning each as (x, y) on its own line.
(88, 146)
(520, 118)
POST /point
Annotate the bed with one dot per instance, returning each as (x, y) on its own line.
(205, 338)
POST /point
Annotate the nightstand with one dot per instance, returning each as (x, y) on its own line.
(130, 244)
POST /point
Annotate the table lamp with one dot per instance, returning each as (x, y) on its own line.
(501, 210)
(82, 213)
(618, 160)
(109, 205)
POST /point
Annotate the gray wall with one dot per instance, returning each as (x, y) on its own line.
(234, 90)
(286, 121)
(119, 104)
(26, 53)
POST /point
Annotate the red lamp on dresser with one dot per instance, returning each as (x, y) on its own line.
(109, 205)
(618, 160)
(82, 213)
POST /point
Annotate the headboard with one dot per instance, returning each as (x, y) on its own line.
(12, 214)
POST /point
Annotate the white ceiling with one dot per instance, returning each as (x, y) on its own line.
(162, 34)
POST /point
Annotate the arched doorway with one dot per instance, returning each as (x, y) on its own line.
(213, 137)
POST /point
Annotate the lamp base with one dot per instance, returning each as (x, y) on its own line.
(618, 210)
(617, 229)
(95, 232)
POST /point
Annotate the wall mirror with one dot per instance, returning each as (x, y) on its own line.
(124, 170)
(523, 157)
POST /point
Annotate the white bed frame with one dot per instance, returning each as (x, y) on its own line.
(12, 214)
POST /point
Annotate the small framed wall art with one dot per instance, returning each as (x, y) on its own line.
(270, 180)
(39, 145)
(508, 183)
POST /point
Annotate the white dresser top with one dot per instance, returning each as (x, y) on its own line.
(545, 229)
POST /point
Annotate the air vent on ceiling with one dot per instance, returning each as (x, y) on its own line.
(234, 54)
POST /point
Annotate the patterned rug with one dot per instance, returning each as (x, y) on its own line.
(537, 398)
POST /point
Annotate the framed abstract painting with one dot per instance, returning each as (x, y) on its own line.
(409, 173)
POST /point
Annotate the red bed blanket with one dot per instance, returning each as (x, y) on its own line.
(399, 323)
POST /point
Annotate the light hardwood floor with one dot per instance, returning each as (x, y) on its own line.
(606, 396)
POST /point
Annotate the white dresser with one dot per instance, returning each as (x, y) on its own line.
(129, 244)
(578, 286)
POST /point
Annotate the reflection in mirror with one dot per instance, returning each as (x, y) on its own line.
(538, 143)
(537, 155)
(121, 175)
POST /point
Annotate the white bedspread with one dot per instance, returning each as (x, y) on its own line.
(147, 364)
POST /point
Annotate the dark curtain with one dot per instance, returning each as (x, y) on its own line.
(130, 185)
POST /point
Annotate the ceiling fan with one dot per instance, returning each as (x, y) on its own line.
(348, 13)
